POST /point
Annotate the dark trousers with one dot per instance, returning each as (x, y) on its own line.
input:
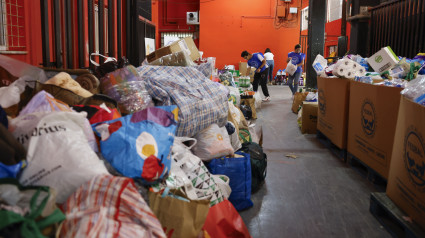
(261, 78)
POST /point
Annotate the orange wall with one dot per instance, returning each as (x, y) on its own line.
(224, 33)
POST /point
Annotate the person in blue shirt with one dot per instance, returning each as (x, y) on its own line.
(297, 58)
(258, 61)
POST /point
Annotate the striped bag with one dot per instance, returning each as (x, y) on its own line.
(109, 206)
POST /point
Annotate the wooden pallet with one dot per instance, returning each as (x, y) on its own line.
(370, 174)
(391, 217)
(340, 153)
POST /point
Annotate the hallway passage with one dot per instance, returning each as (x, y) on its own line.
(314, 195)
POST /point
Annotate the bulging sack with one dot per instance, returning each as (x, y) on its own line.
(109, 206)
(139, 145)
(238, 169)
(213, 142)
(58, 152)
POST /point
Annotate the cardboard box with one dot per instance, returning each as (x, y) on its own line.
(187, 44)
(332, 119)
(383, 60)
(373, 112)
(406, 181)
(251, 74)
(309, 117)
(243, 67)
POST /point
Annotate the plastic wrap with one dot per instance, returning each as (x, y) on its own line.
(348, 68)
(19, 69)
(320, 64)
(415, 90)
(132, 95)
(227, 79)
(180, 58)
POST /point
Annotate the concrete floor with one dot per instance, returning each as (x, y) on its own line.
(315, 195)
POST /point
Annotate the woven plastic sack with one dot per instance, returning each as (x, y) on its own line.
(139, 145)
(109, 206)
(58, 153)
(213, 142)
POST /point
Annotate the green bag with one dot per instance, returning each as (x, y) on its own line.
(245, 135)
(42, 210)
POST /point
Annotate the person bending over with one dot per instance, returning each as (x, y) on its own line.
(257, 61)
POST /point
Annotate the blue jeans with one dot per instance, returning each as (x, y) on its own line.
(294, 79)
(270, 63)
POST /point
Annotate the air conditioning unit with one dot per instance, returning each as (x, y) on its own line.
(192, 18)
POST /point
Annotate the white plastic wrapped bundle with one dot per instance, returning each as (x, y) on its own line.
(415, 90)
(347, 68)
(320, 64)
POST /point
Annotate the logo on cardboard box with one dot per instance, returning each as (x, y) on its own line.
(368, 118)
(414, 159)
(322, 102)
(378, 59)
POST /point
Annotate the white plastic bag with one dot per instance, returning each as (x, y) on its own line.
(258, 100)
(253, 131)
(290, 68)
(20, 69)
(320, 64)
(59, 155)
(234, 139)
(190, 171)
(44, 102)
(235, 96)
(213, 142)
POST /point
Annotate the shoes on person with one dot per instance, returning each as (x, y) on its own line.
(267, 99)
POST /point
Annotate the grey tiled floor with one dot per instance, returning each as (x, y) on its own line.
(315, 195)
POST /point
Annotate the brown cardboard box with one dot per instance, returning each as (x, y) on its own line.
(309, 117)
(251, 74)
(332, 119)
(406, 181)
(243, 66)
(373, 112)
(185, 44)
(298, 100)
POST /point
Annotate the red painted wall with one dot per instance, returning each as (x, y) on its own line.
(155, 21)
(31, 31)
(229, 27)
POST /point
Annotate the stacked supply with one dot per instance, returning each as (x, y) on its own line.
(347, 68)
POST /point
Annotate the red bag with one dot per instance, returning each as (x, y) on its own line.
(224, 221)
(97, 114)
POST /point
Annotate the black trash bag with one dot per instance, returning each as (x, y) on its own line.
(258, 164)
(109, 67)
(246, 111)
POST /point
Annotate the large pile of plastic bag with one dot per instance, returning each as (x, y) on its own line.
(155, 151)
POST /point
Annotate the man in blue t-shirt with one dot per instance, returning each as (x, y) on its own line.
(297, 58)
(257, 61)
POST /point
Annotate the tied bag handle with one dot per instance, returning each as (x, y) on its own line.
(30, 227)
(107, 59)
